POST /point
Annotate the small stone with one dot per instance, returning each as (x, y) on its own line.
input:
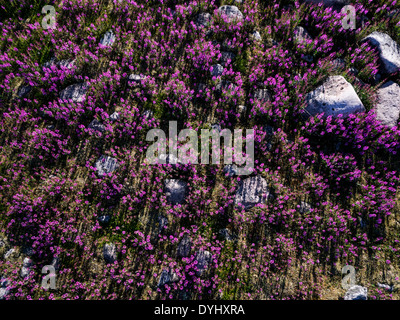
(105, 219)
(225, 86)
(184, 247)
(227, 58)
(167, 277)
(175, 190)
(96, 125)
(9, 253)
(230, 170)
(356, 293)
(256, 36)
(226, 234)
(23, 91)
(147, 114)
(230, 13)
(304, 207)
(217, 70)
(106, 165)
(262, 95)
(203, 19)
(162, 223)
(339, 64)
(108, 39)
(110, 252)
(26, 265)
(301, 35)
(203, 258)
(74, 93)
(135, 79)
(114, 116)
(252, 191)
(385, 287)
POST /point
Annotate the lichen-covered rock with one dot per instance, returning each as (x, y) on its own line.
(252, 191)
(387, 109)
(356, 293)
(335, 96)
(175, 190)
(108, 38)
(110, 252)
(105, 165)
(184, 247)
(74, 93)
(230, 13)
(389, 50)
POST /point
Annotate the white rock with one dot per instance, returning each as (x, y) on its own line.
(335, 96)
(114, 116)
(184, 247)
(301, 35)
(356, 293)
(108, 38)
(175, 190)
(74, 93)
(105, 165)
(231, 13)
(203, 258)
(389, 50)
(252, 191)
(387, 109)
(216, 70)
(110, 252)
(96, 125)
(203, 19)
